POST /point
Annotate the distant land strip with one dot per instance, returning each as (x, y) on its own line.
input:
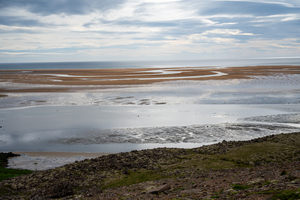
(68, 79)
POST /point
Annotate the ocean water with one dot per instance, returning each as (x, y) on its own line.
(151, 64)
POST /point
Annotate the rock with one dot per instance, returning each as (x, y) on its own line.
(147, 189)
(274, 182)
(93, 192)
(255, 181)
(162, 188)
(192, 191)
(60, 189)
(268, 176)
(14, 186)
(230, 191)
(37, 197)
(4, 158)
(251, 163)
(296, 174)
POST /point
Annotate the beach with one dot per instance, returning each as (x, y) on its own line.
(119, 110)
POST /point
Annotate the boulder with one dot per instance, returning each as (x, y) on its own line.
(158, 190)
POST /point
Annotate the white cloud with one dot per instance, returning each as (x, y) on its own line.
(291, 17)
(202, 38)
(280, 2)
(226, 32)
(276, 18)
(137, 28)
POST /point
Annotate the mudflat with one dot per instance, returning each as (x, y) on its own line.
(68, 79)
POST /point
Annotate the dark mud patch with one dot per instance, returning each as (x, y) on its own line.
(3, 95)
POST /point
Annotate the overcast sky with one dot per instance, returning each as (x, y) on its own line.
(115, 30)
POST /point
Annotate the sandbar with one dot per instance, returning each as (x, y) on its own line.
(64, 80)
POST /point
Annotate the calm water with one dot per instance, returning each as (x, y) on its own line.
(150, 64)
(125, 128)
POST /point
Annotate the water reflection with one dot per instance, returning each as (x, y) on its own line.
(91, 128)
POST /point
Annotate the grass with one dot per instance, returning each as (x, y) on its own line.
(240, 187)
(287, 195)
(207, 162)
(139, 176)
(10, 173)
(264, 151)
(282, 195)
(238, 157)
(267, 151)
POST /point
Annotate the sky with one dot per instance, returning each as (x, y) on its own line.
(118, 30)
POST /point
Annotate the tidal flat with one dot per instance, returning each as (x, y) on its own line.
(119, 110)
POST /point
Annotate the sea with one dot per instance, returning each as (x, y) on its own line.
(151, 64)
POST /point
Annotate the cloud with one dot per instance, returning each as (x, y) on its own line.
(226, 32)
(249, 8)
(72, 7)
(170, 28)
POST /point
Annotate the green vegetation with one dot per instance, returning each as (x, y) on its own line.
(282, 195)
(139, 176)
(287, 195)
(244, 156)
(10, 173)
(240, 187)
(283, 173)
(267, 183)
(262, 152)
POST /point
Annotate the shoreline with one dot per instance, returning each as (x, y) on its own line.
(255, 169)
(49, 154)
(48, 160)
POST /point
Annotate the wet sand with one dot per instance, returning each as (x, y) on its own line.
(48, 160)
(62, 154)
(83, 79)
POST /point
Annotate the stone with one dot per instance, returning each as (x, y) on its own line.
(268, 176)
(296, 174)
(255, 181)
(192, 191)
(162, 188)
(251, 163)
(147, 189)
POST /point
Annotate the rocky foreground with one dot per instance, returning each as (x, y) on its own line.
(264, 168)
